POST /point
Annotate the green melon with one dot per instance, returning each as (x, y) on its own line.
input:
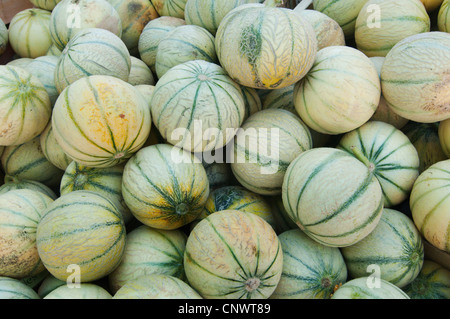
(332, 196)
(150, 251)
(361, 288)
(443, 20)
(72, 16)
(21, 211)
(84, 291)
(433, 282)
(11, 288)
(4, 38)
(233, 255)
(156, 286)
(310, 270)
(49, 284)
(390, 153)
(82, 228)
(44, 69)
(12, 182)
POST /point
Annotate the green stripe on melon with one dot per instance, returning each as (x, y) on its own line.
(43, 68)
(395, 245)
(52, 150)
(173, 8)
(150, 251)
(369, 288)
(82, 228)
(11, 288)
(310, 270)
(84, 291)
(25, 104)
(140, 73)
(332, 196)
(444, 136)
(4, 39)
(443, 19)
(233, 255)
(16, 183)
(394, 158)
(45, 4)
(21, 211)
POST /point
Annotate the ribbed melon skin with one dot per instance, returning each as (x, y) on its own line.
(92, 51)
(359, 289)
(342, 105)
(443, 19)
(12, 183)
(252, 101)
(238, 198)
(184, 43)
(310, 270)
(25, 107)
(4, 38)
(395, 159)
(280, 99)
(193, 97)
(100, 121)
(71, 16)
(433, 282)
(85, 291)
(82, 228)
(429, 202)
(268, 142)
(20, 62)
(11, 288)
(233, 255)
(156, 286)
(444, 136)
(29, 33)
(344, 12)
(395, 245)
(107, 181)
(52, 150)
(140, 73)
(150, 251)
(45, 4)
(20, 213)
(414, 78)
(172, 8)
(265, 48)
(164, 186)
(27, 161)
(406, 17)
(43, 68)
(152, 34)
(210, 13)
(336, 214)
(135, 15)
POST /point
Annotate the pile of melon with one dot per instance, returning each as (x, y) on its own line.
(222, 149)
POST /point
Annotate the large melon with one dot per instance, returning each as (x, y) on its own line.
(394, 159)
(210, 13)
(29, 33)
(429, 202)
(395, 245)
(265, 47)
(71, 16)
(12, 183)
(328, 31)
(27, 161)
(25, 107)
(414, 77)
(340, 93)
(107, 181)
(92, 51)
(184, 43)
(84, 291)
(197, 106)
(152, 34)
(444, 136)
(266, 144)
(4, 38)
(44, 69)
(433, 282)
(367, 288)
(233, 255)
(11, 288)
(52, 150)
(443, 19)
(165, 187)
(81, 228)
(20, 213)
(156, 286)
(344, 12)
(310, 270)
(377, 20)
(333, 197)
(101, 121)
(150, 251)
(134, 14)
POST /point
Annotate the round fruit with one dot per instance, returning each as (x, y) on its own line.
(12, 183)
(173, 8)
(11, 288)
(44, 69)
(51, 149)
(84, 291)
(444, 136)
(369, 288)
(45, 4)
(332, 196)
(443, 20)
(231, 255)
(140, 73)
